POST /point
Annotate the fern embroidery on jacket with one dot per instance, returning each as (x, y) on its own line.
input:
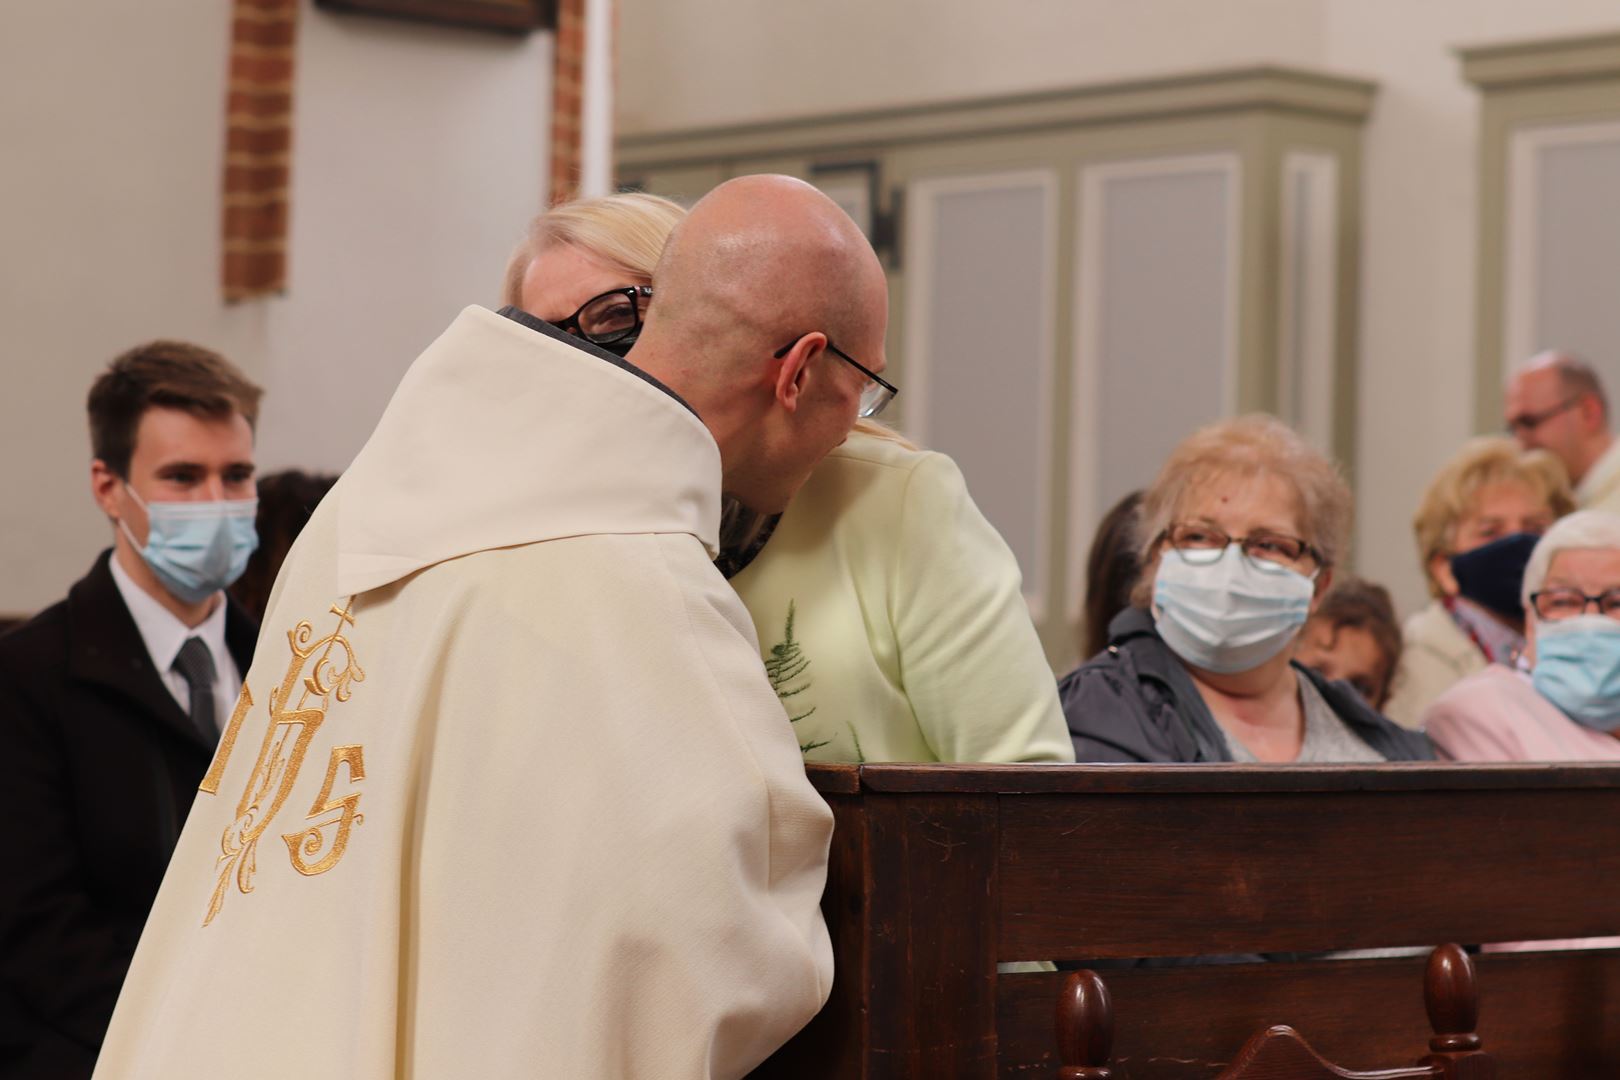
(786, 668)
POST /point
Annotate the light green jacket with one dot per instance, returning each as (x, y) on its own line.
(891, 618)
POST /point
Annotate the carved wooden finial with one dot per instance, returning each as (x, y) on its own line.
(1085, 1028)
(1451, 995)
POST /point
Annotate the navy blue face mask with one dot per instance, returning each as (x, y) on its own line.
(1491, 575)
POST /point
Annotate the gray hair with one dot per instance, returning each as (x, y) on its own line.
(1582, 530)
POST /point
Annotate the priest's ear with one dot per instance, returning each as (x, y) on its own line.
(793, 373)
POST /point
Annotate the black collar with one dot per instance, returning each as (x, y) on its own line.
(523, 318)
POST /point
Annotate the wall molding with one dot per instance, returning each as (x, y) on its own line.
(919, 350)
(1085, 505)
(1521, 315)
(1529, 63)
(1565, 83)
(1264, 88)
(1308, 287)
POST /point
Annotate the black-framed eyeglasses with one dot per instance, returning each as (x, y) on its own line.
(610, 317)
(1527, 422)
(1198, 543)
(1566, 602)
(875, 395)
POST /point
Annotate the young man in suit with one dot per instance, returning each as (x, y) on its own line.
(112, 701)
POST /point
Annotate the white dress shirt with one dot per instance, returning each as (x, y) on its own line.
(164, 634)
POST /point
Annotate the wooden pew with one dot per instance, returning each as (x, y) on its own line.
(938, 873)
(1085, 1034)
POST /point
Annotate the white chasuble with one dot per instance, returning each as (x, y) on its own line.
(506, 792)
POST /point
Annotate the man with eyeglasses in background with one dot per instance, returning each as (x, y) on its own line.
(1556, 402)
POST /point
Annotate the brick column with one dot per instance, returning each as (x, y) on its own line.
(258, 148)
(567, 99)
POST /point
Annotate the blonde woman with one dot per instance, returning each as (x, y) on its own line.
(1240, 536)
(889, 612)
(1475, 527)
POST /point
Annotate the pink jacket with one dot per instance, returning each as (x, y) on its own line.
(1496, 715)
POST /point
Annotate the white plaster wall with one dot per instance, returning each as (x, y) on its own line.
(686, 63)
(420, 153)
(697, 62)
(1420, 203)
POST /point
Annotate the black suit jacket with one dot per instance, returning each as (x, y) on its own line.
(98, 768)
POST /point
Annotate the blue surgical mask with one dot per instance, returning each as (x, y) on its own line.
(1578, 669)
(1492, 574)
(1230, 613)
(196, 548)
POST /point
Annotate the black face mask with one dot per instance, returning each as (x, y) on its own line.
(1492, 575)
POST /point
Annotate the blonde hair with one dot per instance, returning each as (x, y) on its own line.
(1453, 493)
(1250, 446)
(626, 230)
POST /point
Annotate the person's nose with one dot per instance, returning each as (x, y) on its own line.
(212, 489)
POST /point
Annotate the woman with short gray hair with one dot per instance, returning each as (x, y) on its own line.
(1242, 532)
(1564, 703)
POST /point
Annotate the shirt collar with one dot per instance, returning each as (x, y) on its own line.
(161, 631)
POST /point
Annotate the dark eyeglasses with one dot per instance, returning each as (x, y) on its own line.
(1204, 544)
(875, 395)
(1564, 602)
(1527, 422)
(610, 317)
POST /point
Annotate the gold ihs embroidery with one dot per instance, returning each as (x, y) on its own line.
(227, 742)
(281, 755)
(312, 838)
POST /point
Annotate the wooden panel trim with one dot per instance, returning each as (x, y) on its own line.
(1265, 87)
(1242, 873)
(932, 925)
(1358, 1012)
(832, 778)
(1226, 779)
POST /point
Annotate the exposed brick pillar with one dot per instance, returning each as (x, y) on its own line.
(258, 148)
(567, 99)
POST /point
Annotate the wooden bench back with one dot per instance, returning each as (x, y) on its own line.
(939, 873)
(1085, 1034)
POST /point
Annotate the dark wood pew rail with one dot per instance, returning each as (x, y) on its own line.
(939, 873)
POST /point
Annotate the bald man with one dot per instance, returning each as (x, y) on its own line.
(507, 792)
(1556, 402)
(748, 301)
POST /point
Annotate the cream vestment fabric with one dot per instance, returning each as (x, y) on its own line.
(1599, 489)
(507, 792)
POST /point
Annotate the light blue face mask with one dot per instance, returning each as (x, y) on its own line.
(1578, 669)
(196, 548)
(1224, 612)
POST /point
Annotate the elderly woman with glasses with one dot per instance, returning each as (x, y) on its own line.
(1239, 537)
(889, 612)
(1561, 702)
